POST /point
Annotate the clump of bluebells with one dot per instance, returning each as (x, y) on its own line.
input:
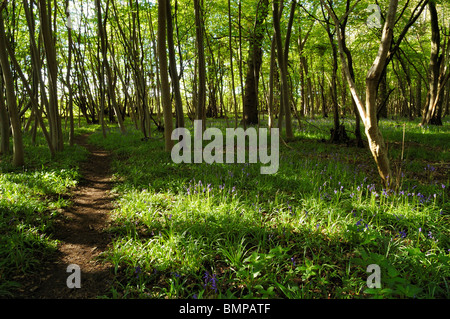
(210, 281)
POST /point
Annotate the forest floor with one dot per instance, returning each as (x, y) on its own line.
(80, 230)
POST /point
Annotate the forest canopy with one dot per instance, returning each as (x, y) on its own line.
(150, 63)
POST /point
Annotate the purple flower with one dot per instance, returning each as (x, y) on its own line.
(137, 271)
(293, 261)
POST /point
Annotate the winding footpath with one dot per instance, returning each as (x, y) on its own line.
(82, 236)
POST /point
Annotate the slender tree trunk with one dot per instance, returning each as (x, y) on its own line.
(18, 150)
(254, 62)
(110, 87)
(173, 68)
(430, 114)
(4, 123)
(271, 81)
(201, 97)
(50, 52)
(231, 66)
(369, 110)
(165, 87)
(283, 72)
(68, 82)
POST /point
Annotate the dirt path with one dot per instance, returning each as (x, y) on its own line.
(81, 234)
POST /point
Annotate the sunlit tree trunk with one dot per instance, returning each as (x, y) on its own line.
(368, 110)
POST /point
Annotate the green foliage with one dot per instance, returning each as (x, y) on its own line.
(309, 231)
(30, 200)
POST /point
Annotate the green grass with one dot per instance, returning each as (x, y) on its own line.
(308, 231)
(30, 199)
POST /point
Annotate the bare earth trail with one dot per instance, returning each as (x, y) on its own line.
(82, 236)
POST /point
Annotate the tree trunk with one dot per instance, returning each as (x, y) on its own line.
(68, 82)
(18, 150)
(368, 113)
(50, 53)
(254, 62)
(110, 87)
(201, 95)
(283, 72)
(231, 66)
(430, 114)
(4, 123)
(173, 69)
(165, 87)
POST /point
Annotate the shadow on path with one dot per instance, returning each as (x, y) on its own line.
(82, 236)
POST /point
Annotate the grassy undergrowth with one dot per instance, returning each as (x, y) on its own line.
(30, 199)
(308, 231)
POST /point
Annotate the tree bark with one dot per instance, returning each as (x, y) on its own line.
(430, 115)
(18, 150)
(50, 53)
(368, 111)
(165, 87)
(110, 87)
(283, 72)
(254, 62)
(68, 82)
(4, 123)
(173, 69)
(201, 95)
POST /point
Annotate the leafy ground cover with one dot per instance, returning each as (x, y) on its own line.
(308, 231)
(31, 197)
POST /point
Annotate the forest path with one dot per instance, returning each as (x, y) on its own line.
(80, 231)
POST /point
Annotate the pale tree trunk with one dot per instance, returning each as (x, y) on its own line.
(368, 111)
(165, 87)
(18, 151)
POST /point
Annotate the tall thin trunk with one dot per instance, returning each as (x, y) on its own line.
(283, 72)
(110, 87)
(200, 111)
(231, 66)
(52, 66)
(68, 82)
(18, 150)
(254, 62)
(173, 68)
(430, 114)
(165, 87)
(4, 124)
